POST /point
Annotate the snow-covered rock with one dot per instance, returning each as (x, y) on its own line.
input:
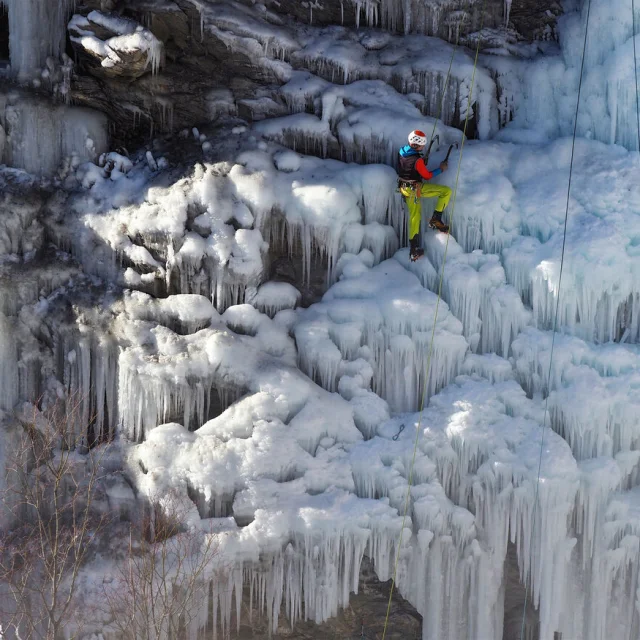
(118, 47)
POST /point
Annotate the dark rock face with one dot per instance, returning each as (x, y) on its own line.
(178, 96)
(535, 19)
(363, 620)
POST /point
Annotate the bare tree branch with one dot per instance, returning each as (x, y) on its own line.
(157, 589)
(48, 494)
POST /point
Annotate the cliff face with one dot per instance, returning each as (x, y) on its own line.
(243, 45)
(159, 66)
(180, 86)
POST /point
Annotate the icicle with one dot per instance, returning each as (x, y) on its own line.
(507, 12)
(9, 379)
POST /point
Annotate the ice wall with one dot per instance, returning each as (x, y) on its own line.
(365, 121)
(592, 393)
(40, 136)
(364, 333)
(415, 65)
(313, 479)
(444, 18)
(211, 233)
(543, 94)
(37, 30)
(472, 493)
(499, 211)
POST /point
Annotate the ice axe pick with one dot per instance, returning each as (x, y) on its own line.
(455, 144)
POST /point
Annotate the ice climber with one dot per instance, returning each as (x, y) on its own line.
(412, 172)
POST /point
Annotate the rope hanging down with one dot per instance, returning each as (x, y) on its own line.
(444, 91)
(555, 320)
(435, 318)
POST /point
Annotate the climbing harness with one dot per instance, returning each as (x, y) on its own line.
(555, 319)
(435, 318)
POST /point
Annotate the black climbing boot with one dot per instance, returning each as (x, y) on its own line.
(436, 222)
(415, 251)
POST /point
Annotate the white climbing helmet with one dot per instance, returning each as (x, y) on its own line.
(417, 137)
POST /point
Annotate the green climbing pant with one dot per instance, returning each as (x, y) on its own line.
(425, 190)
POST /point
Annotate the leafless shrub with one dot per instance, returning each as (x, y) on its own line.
(160, 586)
(50, 524)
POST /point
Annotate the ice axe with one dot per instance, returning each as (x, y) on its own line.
(455, 144)
(426, 155)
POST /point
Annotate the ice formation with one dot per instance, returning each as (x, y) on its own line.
(414, 65)
(414, 16)
(540, 94)
(364, 121)
(380, 319)
(143, 362)
(233, 380)
(274, 196)
(292, 430)
(417, 66)
(37, 31)
(41, 136)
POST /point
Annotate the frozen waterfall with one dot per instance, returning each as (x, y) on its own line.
(234, 313)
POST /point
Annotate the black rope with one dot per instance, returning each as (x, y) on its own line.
(555, 320)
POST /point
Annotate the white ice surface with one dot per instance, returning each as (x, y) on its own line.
(382, 315)
(276, 197)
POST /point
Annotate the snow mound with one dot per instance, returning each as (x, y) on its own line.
(209, 233)
(272, 297)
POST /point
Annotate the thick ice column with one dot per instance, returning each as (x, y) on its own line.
(9, 379)
(474, 286)
(37, 30)
(41, 136)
